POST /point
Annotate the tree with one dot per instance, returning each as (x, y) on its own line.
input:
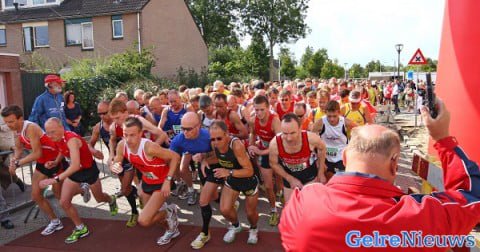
(279, 20)
(257, 57)
(217, 20)
(316, 62)
(331, 69)
(307, 55)
(287, 64)
(357, 71)
(373, 66)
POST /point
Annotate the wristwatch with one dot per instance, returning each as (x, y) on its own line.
(169, 178)
(231, 173)
(17, 163)
(57, 178)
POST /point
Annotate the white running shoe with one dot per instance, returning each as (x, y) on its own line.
(172, 216)
(252, 236)
(52, 227)
(229, 237)
(168, 236)
(85, 192)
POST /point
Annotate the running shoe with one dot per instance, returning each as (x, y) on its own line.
(172, 216)
(132, 222)
(229, 237)
(192, 198)
(77, 234)
(113, 206)
(52, 227)
(85, 192)
(200, 241)
(252, 236)
(168, 236)
(274, 218)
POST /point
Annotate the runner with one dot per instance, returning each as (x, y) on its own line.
(285, 104)
(323, 97)
(207, 111)
(31, 137)
(237, 170)
(82, 169)
(235, 126)
(151, 160)
(171, 116)
(298, 156)
(195, 141)
(264, 126)
(333, 130)
(118, 113)
(355, 110)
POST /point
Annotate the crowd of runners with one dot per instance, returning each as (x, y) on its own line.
(234, 139)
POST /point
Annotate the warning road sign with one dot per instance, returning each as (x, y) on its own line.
(418, 58)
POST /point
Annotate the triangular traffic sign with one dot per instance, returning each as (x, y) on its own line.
(418, 58)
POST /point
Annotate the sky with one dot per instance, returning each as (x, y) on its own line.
(355, 31)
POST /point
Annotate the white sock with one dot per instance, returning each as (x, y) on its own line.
(190, 189)
(56, 221)
(79, 227)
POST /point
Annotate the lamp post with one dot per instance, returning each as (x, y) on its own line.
(399, 48)
(345, 70)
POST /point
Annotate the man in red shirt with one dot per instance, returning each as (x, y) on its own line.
(363, 208)
(82, 169)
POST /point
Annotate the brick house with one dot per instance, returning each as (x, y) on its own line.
(64, 30)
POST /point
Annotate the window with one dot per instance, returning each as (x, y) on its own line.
(117, 27)
(79, 32)
(8, 3)
(28, 39)
(40, 34)
(87, 35)
(3, 37)
(35, 35)
(41, 2)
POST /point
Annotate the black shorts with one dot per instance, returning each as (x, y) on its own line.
(264, 162)
(50, 173)
(247, 186)
(304, 176)
(331, 166)
(210, 175)
(89, 175)
(150, 188)
(126, 167)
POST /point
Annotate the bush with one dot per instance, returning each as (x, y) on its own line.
(190, 78)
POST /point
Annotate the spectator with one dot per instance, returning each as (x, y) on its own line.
(366, 198)
(50, 103)
(73, 113)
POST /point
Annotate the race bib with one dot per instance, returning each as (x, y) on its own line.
(332, 152)
(177, 129)
(150, 175)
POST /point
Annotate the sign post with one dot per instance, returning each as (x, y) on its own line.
(417, 59)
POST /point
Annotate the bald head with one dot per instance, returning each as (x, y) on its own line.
(54, 129)
(133, 107)
(190, 118)
(373, 149)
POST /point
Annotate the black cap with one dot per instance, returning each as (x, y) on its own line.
(259, 84)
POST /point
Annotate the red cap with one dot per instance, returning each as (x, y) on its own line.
(53, 78)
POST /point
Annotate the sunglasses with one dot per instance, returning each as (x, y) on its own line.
(103, 113)
(300, 116)
(187, 128)
(213, 139)
(285, 100)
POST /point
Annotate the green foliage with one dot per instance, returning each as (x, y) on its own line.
(35, 62)
(217, 20)
(316, 62)
(279, 21)
(257, 56)
(191, 78)
(373, 66)
(307, 55)
(357, 71)
(331, 69)
(90, 77)
(287, 64)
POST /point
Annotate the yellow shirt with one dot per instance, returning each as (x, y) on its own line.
(357, 116)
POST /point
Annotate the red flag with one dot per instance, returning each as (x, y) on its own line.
(458, 73)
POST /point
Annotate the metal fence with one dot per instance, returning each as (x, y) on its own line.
(19, 200)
